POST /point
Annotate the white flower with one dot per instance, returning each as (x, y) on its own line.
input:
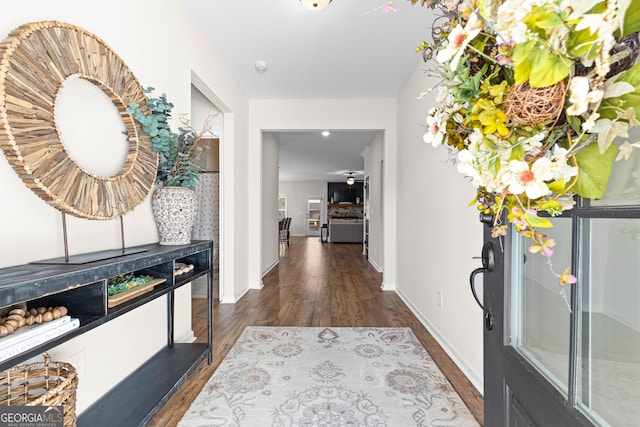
(445, 96)
(566, 201)
(560, 167)
(466, 167)
(577, 8)
(435, 129)
(510, 25)
(557, 38)
(475, 162)
(532, 144)
(595, 96)
(531, 181)
(457, 41)
(588, 124)
(579, 88)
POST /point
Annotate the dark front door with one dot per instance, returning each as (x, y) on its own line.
(517, 392)
(569, 356)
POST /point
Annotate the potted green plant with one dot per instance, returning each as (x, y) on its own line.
(174, 203)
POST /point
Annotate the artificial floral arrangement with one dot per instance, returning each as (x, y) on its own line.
(179, 153)
(533, 95)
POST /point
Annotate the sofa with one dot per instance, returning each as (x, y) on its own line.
(346, 230)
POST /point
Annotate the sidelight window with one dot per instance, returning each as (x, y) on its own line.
(586, 342)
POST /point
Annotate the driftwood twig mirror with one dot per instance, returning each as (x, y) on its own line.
(35, 61)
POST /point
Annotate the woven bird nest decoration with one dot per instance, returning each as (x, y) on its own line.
(531, 105)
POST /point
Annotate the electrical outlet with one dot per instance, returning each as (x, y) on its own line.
(78, 362)
(440, 299)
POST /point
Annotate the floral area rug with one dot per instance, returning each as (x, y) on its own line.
(296, 376)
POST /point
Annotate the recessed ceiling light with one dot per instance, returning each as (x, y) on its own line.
(326, 133)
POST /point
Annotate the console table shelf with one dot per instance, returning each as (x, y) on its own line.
(149, 387)
(82, 288)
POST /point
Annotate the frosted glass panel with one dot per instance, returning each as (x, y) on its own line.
(540, 314)
(609, 346)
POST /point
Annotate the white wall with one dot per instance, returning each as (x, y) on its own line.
(320, 114)
(373, 156)
(437, 235)
(32, 230)
(270, 162)
(297, 192)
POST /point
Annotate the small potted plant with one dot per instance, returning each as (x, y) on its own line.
(174, 204)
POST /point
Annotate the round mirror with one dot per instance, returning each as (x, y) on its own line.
(38, 58)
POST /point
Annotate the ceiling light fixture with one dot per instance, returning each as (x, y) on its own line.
(350, 179)
(315, 4)
(326, 133)
(261, 66)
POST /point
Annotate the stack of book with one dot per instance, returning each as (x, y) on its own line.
(28, 337)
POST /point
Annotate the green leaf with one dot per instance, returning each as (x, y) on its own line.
(632, 99)
(484, 9)
(494, 165)
(582, 43)
(617, 89)
(522, 60)
(548, 20)
(557, 186)
(594, 171)
(517, 153)
(632, 18)
(538, 65)
(548, 69)
(574, 122)
(541, 19)
(551, 206)
(469, 88)
(536, 221)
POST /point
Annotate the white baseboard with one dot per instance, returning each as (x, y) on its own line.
(271, 267)
(475, 379)
(376, 266)
(188, 337)
(234, 299)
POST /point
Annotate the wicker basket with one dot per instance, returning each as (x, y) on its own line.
(41, 384)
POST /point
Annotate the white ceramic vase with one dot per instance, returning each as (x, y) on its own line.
(175, 210)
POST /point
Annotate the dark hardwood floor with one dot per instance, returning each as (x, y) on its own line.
(315, 284)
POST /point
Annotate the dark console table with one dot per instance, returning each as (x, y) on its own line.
(82, 288)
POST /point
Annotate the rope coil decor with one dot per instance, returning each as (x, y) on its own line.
(35, 60)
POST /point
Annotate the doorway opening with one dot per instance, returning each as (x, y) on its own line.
(207, 223)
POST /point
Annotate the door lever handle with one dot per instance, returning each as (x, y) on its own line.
(487, 266)
(472, 278)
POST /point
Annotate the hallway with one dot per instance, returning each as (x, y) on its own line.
(315, 284)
